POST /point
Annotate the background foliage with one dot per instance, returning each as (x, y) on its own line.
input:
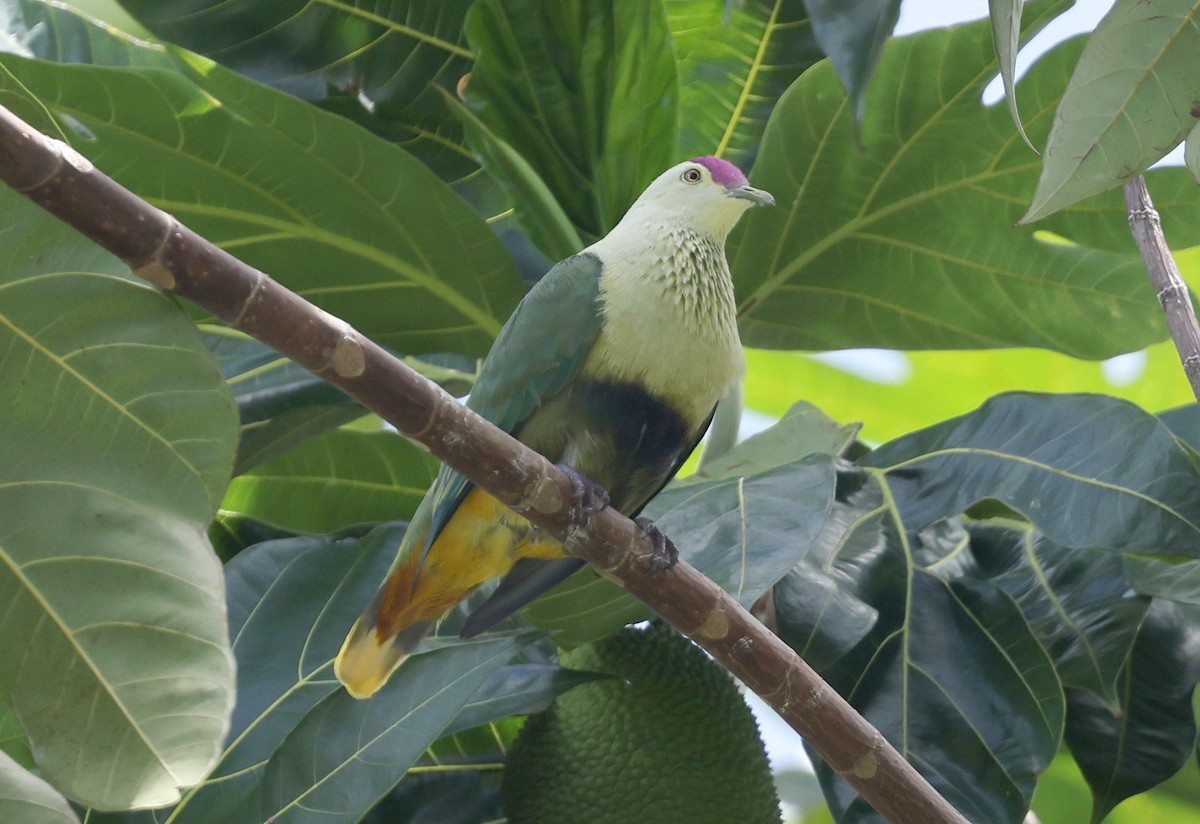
(1004, 582)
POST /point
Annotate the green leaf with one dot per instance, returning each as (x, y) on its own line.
(377, 64)
(415, 268)
(117, 448)
(536, 208)
(734, 61)
(1154, 733)
(347, 754)
(1134, 95)
(899, 222)
(13, 741)
(965, 692)
(1088, 471)
(853, 34)
(801, 431)
(744, 532)
(27, 799)
(594, 116)
(334, 481)
(290, 604)
(1006, 37)
(1078, 603)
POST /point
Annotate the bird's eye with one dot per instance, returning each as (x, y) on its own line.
(692, 176)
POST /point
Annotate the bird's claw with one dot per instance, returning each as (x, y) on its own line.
(590, 497)
(665, 554)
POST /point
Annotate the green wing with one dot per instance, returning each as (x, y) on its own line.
(538, 352)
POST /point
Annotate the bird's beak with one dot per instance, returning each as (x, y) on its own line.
(756, 196)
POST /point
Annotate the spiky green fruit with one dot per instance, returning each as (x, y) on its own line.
(669, 740)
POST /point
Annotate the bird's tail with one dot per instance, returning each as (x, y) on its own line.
(366, 660)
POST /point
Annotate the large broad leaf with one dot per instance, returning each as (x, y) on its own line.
(1134, 96)
(585, 91)
(347, 754)
(334, 481)
(744, 532)
(378, 64)
(735, 59)
(1153, 733)
(1089, 471)
(349, 221)
(27, 799)
(852, 34)
(965, 691)
(910, 243)
(118, 438)
(291, 602)
(1080, 604)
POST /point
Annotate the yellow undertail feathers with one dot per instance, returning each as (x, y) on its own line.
(481, 542)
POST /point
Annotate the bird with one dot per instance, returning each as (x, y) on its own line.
(611, 366)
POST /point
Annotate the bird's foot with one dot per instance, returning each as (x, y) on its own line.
(590, 497)
(665, 554)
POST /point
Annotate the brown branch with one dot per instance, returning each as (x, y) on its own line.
(1172, 292)
(173, 257)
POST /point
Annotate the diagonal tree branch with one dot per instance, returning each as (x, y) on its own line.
(1172, 292)
(168, 254)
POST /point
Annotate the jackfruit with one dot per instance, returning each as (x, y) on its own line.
(669, 740)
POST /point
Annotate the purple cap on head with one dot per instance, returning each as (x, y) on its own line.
(723, 171)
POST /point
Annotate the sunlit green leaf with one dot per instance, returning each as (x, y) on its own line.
(1133, 96)
(366, 232)
(735, 59)
(910, 243)
(597, 118)
(118, 439)
(27, 799)
(334, 481)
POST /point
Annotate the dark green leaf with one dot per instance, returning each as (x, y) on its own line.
(290, 604)
(966, 692)
(118, 505)
(1078, 603)
(1133, 97)
(1191, 153)
(1089, 471)
(735, 60)
(1184, 423)
(1155, 731)
(918, 226)
(27, 799)
(377, 63)
(342, 478)
(743, 532)
(411, 264)
(347, 754)
(852, 34)
(586, 92)
(517, 689)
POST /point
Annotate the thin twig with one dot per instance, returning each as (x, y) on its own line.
(168, 254)
(1172, 292)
